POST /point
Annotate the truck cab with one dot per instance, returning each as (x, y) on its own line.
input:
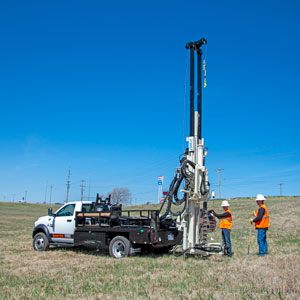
(58, 228)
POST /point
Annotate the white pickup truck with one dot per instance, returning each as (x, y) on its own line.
(58, 228)
(104, 225)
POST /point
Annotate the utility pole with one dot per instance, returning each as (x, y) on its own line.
(82, 189)
(51, 187)
(45, 201)
(25, 196)
(281, 189)
(219, 171)
(68, 186)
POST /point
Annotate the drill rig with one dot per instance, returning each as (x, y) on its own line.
(191, 178)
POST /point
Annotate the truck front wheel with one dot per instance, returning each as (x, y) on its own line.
(119, 247)
(40, 242)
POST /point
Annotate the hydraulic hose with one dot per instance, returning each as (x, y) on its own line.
(172, 197)
(179, 253)
(174, 192)
(184, 168)
(203, 188)
(178, 213)
(181, 174)
(168, 199)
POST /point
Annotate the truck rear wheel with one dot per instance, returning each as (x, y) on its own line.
(40, 242)
(119, 247)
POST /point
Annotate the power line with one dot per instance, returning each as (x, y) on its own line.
(219, 171)
(280, 189)
(68, 186)
(89, 194)
(82, 189)
(51, 187)
(45, 201)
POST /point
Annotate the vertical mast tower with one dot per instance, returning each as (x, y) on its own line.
(191, 178)
(195, 219)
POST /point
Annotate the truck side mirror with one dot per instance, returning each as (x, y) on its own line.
(50, 213)
(213, 194)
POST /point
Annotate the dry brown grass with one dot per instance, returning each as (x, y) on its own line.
(72, 274)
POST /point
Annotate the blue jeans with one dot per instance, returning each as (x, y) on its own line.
(262, 241)
(226, 239)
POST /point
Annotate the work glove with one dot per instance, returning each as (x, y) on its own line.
(253, 213)
(251, 221)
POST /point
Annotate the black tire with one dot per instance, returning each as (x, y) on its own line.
(40, 242)
(119, 247)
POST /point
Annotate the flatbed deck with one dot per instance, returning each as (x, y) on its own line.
(143, 230)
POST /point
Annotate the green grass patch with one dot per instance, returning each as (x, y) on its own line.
(89, 274)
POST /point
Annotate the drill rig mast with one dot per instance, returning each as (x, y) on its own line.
(194, 219)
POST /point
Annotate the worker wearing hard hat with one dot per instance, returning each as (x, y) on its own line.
(225, 226)
(262, 223)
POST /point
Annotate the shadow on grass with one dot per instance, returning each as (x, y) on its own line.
(104, 252)
(80, 249)
(156, 253)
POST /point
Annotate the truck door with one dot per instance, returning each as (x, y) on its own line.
(64, 224)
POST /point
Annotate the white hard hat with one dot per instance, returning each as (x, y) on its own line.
(260, 197)
(225, 203)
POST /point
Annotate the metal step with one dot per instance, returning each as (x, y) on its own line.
(61, 244)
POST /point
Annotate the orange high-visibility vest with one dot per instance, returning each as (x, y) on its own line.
(226, 223)
(265, 221)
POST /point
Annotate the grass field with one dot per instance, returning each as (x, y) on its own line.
(71, 274)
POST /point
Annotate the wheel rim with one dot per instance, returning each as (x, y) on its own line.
(118, 249)
(39, 243)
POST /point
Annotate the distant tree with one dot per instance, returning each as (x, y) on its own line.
(121, 195)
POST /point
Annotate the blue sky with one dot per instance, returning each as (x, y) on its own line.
(99, 87)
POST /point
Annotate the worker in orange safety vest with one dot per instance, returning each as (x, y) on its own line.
(262, 223)
(225, 226)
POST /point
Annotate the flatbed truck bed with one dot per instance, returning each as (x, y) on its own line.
(125, 232)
